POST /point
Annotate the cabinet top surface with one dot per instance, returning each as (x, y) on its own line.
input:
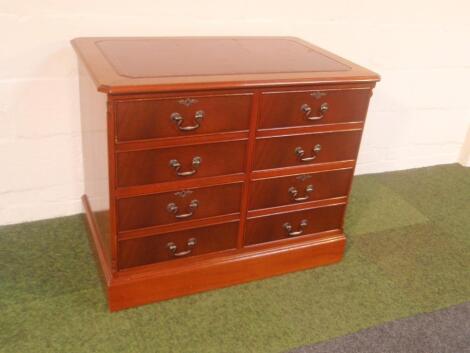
(126, 65)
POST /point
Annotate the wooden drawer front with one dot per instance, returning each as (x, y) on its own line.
(283, 109)
(300, 188)
(153, 166)
(177, 206)
(278, 152)
(142, 251)
(146, 119)
(269, 228)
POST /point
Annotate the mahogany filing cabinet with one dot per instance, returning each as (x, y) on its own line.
(212, 161)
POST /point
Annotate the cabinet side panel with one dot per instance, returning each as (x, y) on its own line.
(93, 107)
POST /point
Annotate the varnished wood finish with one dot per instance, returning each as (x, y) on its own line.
(163, 281)
(283, 109)
(277, 62)
(335, 146)
(168, 57)
(153, 166)
(150, 210)
(178, 141)
(301, 169)
(249, 90)
(147, 119)
(97, 243)
(302, 129)
(272, 227)
(248, 167)
(146, 250)
(173, 227)
(96, 158)
(178, 185)
(261, 212)
(273, 192)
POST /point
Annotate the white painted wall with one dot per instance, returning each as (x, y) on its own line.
(465, 151)
(419, 114)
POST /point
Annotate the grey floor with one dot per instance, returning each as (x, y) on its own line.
(443, 331)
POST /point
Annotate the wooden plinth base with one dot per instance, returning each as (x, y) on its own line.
(181, 277)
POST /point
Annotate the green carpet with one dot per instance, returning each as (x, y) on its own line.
(408, 253)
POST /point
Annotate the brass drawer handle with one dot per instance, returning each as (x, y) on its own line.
(291, 233)
(178, 120)
(173, 208)
(307, 110)
(174, 163)
(190, 244)
(299, 151)
(294, 193)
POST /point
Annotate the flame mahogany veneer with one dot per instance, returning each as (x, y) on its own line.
(213, 161)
